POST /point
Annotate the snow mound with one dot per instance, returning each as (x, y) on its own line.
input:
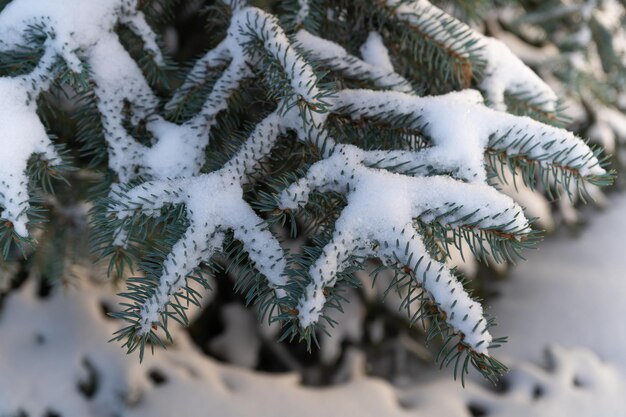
(54, 359)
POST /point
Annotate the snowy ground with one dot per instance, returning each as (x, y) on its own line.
(571, 292)
(54, 359)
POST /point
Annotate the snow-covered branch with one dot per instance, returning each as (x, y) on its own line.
(398, 199)
(461, 129)
(224, 209)
(383, 227)
(503, 71)
(23, 134)
(337, 58)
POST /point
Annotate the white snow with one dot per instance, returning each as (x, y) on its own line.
(459, 144)
(303, 11)
(337, 58)
(276, 43)
(76, 23)
(383, 228)
(570, 292)
(51, 347)
(22, 135)
(214, 204)
(567, 382)
(375, 53)
(460, 126)
(459, 147)
(87, 29)
(504, 71)
(47, 348)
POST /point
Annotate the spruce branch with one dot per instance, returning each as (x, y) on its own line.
(485, 59)
(21, 125)
(539, 149)
(403, 201)
(383, 228)
(209, 220)
(329, 54)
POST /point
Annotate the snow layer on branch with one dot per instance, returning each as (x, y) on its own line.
(75, 22)
(87, 29)
(247, 25)
(504, 72)
(461, 129)
(458, 147)
(303, 11)
(250, 23)
(225, 209)
(375, 53)
(22, 135)
(337, 58)
(214, 204)
(383, 227)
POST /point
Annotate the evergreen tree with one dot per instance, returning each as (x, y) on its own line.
(311, 140)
